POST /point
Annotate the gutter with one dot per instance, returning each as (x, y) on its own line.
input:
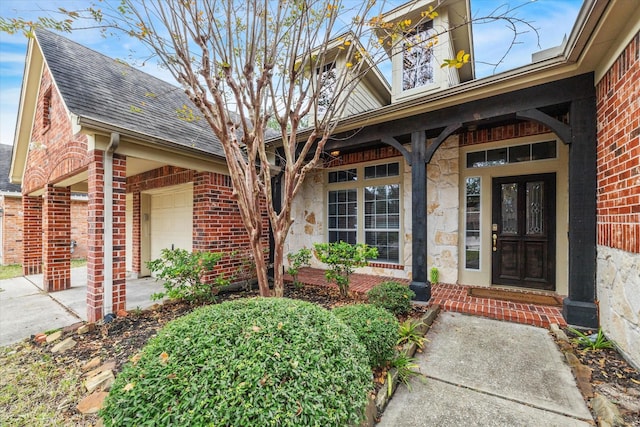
(98, 125)
(107, 298)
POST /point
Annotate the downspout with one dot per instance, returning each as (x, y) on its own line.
(107, 300)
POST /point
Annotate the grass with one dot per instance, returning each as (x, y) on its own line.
(35, 390)
(15, 270)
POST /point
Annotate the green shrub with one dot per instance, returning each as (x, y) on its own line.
(342, 259)
(434, 275)
(376, 328)
(392, 296)
(297, 260)
(248, 362)
(409, 333)
(182, 271)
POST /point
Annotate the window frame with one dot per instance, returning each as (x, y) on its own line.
(359, 184)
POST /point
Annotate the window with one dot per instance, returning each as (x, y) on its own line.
(513, 154)
(46, 109)
(418, 61)
(343, 216)
(382, 220)
(366, 211)
(328, 81)
(472, 223)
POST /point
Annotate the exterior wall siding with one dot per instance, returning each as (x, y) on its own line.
(443, 208)
(618, 281)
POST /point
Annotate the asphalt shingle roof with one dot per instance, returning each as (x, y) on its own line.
(5, 165)
(106, 90)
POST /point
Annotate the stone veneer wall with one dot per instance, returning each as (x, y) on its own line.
(618, 273)
(309, 213)
(443, 209)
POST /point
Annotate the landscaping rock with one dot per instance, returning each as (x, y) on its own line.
(607, 413)
(72, 328)
(92, 364)
(107, 366)
(39, 338)
(122, 313)
(63, 346)
(92, 403)
(54, 336)
(86, 328)
(103, 380)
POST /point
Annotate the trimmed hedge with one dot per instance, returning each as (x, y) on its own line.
(249, 362)
(392, 296)
(376, 328)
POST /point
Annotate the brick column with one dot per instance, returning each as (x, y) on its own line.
(95, 236)
(119, 232)
(32, 235)
(56, 225)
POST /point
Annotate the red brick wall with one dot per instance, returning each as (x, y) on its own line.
(11, 229)
(499, 133)
(56, 223)
(217, 226)
(79, 228)
(32, 235)
(618, 104)
(56, 152)
(12, 245)
(95, 237)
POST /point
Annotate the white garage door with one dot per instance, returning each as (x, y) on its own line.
(171, 219)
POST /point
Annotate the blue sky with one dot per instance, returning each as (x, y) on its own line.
(552, 18)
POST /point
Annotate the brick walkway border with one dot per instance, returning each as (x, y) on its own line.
(454, 298)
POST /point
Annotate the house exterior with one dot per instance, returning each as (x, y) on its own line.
(11, 215)
(528, 179)
(154, 179)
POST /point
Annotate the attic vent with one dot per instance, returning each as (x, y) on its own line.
(46, 110)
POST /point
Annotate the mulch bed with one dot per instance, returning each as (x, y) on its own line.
(125, 336)
(613, 377)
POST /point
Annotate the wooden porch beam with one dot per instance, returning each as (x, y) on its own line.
(561, 129)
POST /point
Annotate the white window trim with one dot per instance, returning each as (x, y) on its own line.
(359, 185)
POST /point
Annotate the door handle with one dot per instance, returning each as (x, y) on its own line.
(495, 241)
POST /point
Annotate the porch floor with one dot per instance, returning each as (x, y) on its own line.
(454, 298)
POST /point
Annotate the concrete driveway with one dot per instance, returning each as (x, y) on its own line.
(25, 309)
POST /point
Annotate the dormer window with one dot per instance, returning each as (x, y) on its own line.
(418, 61)
(328, 81)
(46, 109)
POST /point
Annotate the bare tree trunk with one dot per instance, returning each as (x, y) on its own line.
(278, 264)
(261, 267)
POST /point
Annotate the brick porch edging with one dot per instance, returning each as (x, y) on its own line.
(452, 298)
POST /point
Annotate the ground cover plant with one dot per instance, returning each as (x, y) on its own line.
(392, 296)
(257, 361)
(376, 328)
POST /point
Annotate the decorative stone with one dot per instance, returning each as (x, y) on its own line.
(92, 403)
(103, 380)
(40, 338)
(607, 413)
(54, 336)
(89, 327)
(107, 366)
(122, 313)
(92, 364)
(63, 346)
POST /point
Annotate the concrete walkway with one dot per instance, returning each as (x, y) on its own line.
(25, 309)
(483, 372)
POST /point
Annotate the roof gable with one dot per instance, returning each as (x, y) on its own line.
(100, 88)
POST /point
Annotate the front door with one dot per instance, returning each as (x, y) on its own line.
(523, 231)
